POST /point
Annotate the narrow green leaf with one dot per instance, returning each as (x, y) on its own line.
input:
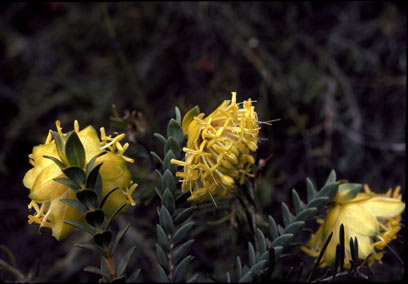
(273, 230)
(161, 257)
(171, 144)
(282, 240)
(306, 214)
(297, 203)
(331, 178)
(10, 255)
(125, 260)
(69, 183)
(102, 202)
(134, 276)
(311, 190)
(181, 270)
(89, 246)
(182, 251)
(87, 197)
(75, 204)
(166, 162)
(168, 201)
(286, 216)
(92, 176)
(251, 254)
(258, 266)
(228, 277)
(60, 164)
(336, 261)
(95, 218)
(278, 250)
(96, 270)
(261, 240)
(162, 238)
(181, 234)
(91, 162)
(76, 174)
(60, 145)
(329, 190)
(180, 218)
(74, 150)
(239, 267)
(299, 275)
(118, 237)
(178, 115)
(114, 214)
(119, 279)
(356, 247)
(80, 226)
(157, 157)
(271, 263)
(165, 220)
(353, 255)
(160, 137)
(342, 246)
(319, 258)
(174, 130)
(105, 268)
(246, 278)
(318, 202)
(193, 279)
(289, 274)
(162, 274)
(294, 228)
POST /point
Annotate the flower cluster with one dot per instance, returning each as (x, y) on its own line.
(218, 149)
(374, 219)
(46, 192)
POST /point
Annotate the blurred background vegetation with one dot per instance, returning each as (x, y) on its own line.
(334, 74)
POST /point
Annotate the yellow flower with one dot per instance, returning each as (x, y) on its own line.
(373, 218)
(46, 193)
(218, 149)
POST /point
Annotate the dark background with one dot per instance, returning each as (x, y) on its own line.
(334, 74)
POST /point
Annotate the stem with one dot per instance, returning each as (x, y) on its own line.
(20, 276)
(171, 266)
(109, 262)
(252, 194)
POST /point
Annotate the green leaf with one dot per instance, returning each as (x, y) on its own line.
(174, 130)
(320, 257)
(100, 205)
(133, 277)
(180, 218)
(60, 145)
(89, 246)
(165, 220)
(91, 162)
(92, 176)
(342, 246)
(171, 144)
(161, 257)
(80, 226)
(258, 266)
(103, 239)
(228, 277)
(193, 279)
(160, 137)
(76, 174)
(331, 178)
(311, 190)
(125, 260)
(69, 183)
(178, 115)
(273, 230)
(104, 267)
(166, 162)
(271, 262)
(189, 117)
(10, 255)
(181, 269)
(261, 240)
(118, 237)
(278, 251)
(74, 150)
(251, 254)
(181, 234)
(246, 278)
(348, 191)
(96, 270)
(294, 228)
(87, 197)
(162, 238)
(306, 214)
(95, 218)
(286, 216)
(76, 205)
(329, 190)
(162, 274)
(297, 203)
(60, 164)
(118, 209)
(119, 279)
(282, 240)
(182, 251)
(156, 156)
(239, 267)
(318, 202)
(168, 201)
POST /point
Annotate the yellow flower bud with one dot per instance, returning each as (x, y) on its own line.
(46, 193)
(374, 219)
(218, 149)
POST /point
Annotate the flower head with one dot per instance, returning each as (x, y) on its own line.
(218, 149)
(46, 193)
(374, 219)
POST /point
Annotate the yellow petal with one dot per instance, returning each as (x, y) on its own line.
(90, 141)
(113, 166)
(359, 219)
(193, 133)
(188, 118)
(331, 219)
(44, 149)
(29, 178)
(384, 206)
(44, 187)
(60, 211)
